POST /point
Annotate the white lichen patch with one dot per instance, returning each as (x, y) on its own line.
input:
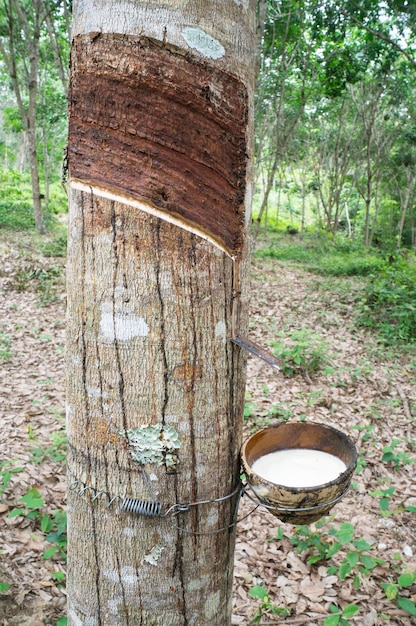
(211, 605)
(206, 45)
(221, 331)
(242, 3)
(153, 444)
(153, 556)
(121, 324)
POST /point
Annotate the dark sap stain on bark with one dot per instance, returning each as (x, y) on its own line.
(161, 127)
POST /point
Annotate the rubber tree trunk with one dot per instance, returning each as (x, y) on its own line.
(160, 169)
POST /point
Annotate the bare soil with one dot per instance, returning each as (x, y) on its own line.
(363, 389)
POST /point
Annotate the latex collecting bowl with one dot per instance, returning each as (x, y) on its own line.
(299, 505)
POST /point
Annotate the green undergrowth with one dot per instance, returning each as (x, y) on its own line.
(322, 255)
(353, 559)
(385, 295)
(388, 305)
(47, 523)
(16, 205)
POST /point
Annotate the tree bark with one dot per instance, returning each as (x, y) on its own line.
(160, 164)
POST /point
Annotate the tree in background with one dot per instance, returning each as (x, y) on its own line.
(160, 179)
(318, 57)
(29, 31)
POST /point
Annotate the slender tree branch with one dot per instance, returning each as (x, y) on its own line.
(383, 37)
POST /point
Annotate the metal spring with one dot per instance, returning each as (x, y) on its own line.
(142, 507)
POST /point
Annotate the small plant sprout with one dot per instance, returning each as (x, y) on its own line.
(394, 456)
(6, 473)
(301, 352)
(384, 503)
(341, 617)
(3, 585)
(261, 594)
(357, 561)
(394, 591)
(53, 526)
(249, 407)
(5, 347)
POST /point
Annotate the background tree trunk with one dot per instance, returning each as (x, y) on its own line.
(160, 148)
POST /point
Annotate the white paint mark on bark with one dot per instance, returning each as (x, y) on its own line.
(221, 331)
(69, 414)
(114, 604)
(94, 393)
(242, 3)
(206, 45)
(153, 556)
(85, 620)
(212, 519)
(127, 576)
(122, 324)
(200, 471)
(184, 428)
(153, 477)
(211, 605)
(75, 620)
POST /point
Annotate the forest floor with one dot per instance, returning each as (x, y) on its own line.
(367, 541)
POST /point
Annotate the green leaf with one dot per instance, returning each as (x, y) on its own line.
(331, 620)
(344, 570)
(345, 533)
(33, 514)
(62, 621)
(406, 580)
(411, 508)
(49, 552)
(352, 558)
(46, 524)
(15, 512)
(58, 576)
(361, 544)
(368, 561)
(350, 610)
(336, 547)
(4, 586)
(33, 499)
(384, 504)
(390, 590)
(55, 537)
(407, 605)
(314, 559)
(258, 592)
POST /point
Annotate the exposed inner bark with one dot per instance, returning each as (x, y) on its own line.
(168, 129)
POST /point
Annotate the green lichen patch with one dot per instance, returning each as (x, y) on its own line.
(155, 443)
